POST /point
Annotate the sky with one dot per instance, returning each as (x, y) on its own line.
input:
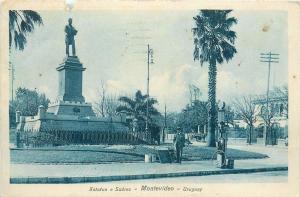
(112, 46)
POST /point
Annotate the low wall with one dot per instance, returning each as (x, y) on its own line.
(237, 141)
(260, 141)
(171, 136)
(280, 142)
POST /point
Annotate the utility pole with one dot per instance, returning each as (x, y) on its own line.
(12, 77)
(36, 98)
(165, 126)
(268, 58)
(149, 61)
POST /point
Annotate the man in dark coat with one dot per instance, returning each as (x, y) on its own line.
(179, 141)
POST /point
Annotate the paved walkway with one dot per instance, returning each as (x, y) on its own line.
(259, 177)
(113, 169)
(278, 161)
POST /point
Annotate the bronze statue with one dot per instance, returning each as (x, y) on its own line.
(70, 34)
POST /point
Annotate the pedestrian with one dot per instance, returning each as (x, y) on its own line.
(179, 141)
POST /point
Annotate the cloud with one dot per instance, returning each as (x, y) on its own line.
(45, 89)
(171, 87)
(115, 86)
(227, 84)
(91, 95)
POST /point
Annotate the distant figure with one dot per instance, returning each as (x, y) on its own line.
(221, 145)
(70, 34)
(286, 141)
(179, 141)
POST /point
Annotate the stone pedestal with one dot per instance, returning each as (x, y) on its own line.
(70, 100)
(80, 109)
(70, 80)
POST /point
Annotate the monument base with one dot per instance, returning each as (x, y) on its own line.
(74, 123)
(81, 109)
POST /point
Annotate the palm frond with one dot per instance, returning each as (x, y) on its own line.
(33, 16)
(9, 38)
(229, 22)
(22, 22)
(228, 50)
(26, 27)
(20, 40)
(154, 112)
(137, 108)
(124, 109)
(213, 39)
(128, 101)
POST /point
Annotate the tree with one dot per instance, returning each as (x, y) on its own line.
(12, 114)
(107, 104)
(27, 102)
(195, 93)
(214, 43)
(192, 116)
(172, 121)
(247, 111)
(21, 23)
(229, 115)
(136, 109)
(267, 114)
(99, 105)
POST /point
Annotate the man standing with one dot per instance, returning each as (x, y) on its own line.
(179, 141)
(70, 34)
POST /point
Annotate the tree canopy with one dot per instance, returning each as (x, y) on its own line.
(27, 102)
(213, 38)
(136, 108)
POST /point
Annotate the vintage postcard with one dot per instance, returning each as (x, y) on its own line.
(143, 98)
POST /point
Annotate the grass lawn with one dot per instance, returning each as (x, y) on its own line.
(205, 153)
(53, 156)
(102, 154)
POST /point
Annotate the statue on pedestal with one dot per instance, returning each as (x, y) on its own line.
(70, 34)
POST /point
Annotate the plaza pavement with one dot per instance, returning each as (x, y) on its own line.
(35, 173)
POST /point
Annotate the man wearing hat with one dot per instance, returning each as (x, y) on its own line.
(179, 141)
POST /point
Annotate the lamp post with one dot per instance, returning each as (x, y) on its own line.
(221, 119)
(221, 144)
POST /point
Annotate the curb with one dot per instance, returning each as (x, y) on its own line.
(64, 180)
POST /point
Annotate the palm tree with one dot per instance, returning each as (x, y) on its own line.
(21, 23)
(214, 43)
(136, 108)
